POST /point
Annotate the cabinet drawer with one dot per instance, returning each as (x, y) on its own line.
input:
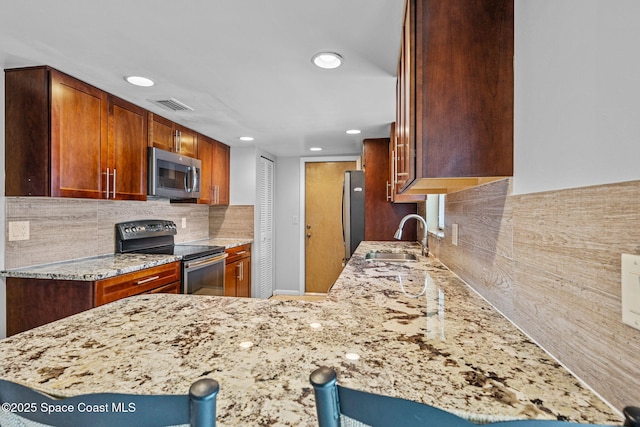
(171, 288)
(238, 252)
(136, 283)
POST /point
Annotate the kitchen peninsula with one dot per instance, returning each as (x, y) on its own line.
(410, 329)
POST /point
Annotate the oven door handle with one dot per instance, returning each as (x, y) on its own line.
(205, 262)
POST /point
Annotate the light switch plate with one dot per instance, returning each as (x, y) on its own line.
(631, 290)
(18, 230)
(184, 222)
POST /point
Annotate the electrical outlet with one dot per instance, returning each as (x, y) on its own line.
(631, 290)
(184, 222)
(18, 230)
(454, 234)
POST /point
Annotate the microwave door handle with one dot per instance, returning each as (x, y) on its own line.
(195, 179)
(187, 179)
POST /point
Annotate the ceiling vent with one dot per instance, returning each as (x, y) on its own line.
(173, 104)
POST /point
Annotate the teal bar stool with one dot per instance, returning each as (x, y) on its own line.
(197, 409)
(339, 406)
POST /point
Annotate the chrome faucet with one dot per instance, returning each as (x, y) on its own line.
(398, 235)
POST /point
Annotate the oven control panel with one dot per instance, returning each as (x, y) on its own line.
(145, 228)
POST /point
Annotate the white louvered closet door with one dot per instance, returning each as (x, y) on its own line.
(265, 256)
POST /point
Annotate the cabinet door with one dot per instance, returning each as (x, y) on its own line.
(243, 285)
(220, 181)
(127, 150)
(405, 140)
(215, 171)
(205, 154)
(381, 217)
(186, 141)
(231, 272)
(161, 133)
(78, 138)
(27, 132)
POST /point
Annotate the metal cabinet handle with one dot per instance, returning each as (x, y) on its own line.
(177, 141)
(107, 179)
(148, 279)
(114, 183)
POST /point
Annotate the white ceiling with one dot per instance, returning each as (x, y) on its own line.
(243, 65)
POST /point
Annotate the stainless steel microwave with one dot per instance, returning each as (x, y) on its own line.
(173, 175)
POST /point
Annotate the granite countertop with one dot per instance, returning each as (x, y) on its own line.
(227, 242)
(418, 332)
(105, 266)
(91, 269)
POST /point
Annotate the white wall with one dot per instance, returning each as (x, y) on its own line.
(576, 93)
(288, 225)
(242, 173)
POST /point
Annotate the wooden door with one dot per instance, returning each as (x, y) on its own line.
(205, 154)
(220, 180)
(78, 138)
(324, 249)
(161, 133)
(127, 149)
(187, 143)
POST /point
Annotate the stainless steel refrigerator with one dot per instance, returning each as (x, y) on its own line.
(352, 211)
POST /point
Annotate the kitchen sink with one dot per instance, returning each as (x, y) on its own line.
(390, 257)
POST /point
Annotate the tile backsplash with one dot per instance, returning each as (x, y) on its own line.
(63, 228)
(551, 262)
(231, 221)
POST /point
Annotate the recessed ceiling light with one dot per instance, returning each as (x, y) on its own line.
(139, 81)
(327, 60)
(315, 148)
(246, 138)
(353, 131)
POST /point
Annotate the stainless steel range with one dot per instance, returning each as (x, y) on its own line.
(202, 266)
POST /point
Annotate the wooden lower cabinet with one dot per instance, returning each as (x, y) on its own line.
(35, 302)
(237, 277)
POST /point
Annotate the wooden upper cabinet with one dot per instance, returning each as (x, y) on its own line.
(186, 141)
(221, 170)
(205, 154)
(127, 149)
(170, 136)
(214, 155)
(381, 217)
(67, 138)
(398, 178)
(455, 94)
(78, 138)
(161, 133)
